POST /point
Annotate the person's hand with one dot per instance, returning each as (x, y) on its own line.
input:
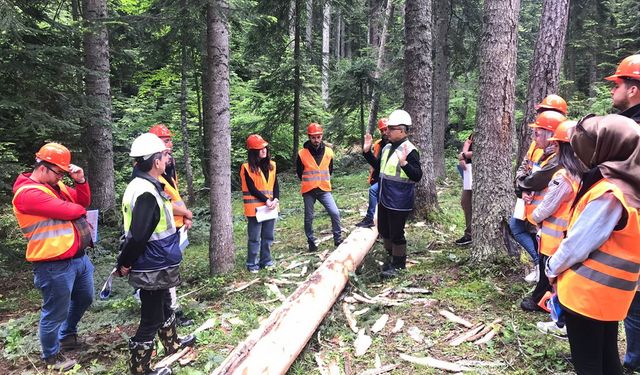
(462, 164)
(527, 197)
(123, 271)
(188, 223)
(77, 174)
(402, 155)
(368, 139)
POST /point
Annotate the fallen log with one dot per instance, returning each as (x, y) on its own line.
(272, 348)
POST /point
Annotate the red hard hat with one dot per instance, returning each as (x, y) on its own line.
(314, 129)
(554, 102)
(628, 68)
(255, 142)
(382, 123)
(55, 154)
(548, 120)
(160, 130)
(564, 130)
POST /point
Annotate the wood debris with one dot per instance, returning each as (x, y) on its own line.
(243, 286)
(296, 264)
(353, 324)
(303, 271)
(283, 282)
(380, 323)
(456, 319)
(415, 290)
(435, 363)
(398, 327)
(377, 363)
(334, 369)
(273, 288)
(188, 358)
(362, 343)
(380, 370)
(361, 311)
(322, 367)
(466, 335)
(416, 334)
(485, 330)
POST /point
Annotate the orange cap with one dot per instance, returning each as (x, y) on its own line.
(382, 123)
(554, 102)
(256, 142)
(55, 154)
(160, 130)
(628, 68)
(314, 129)
(548, 120)
(564, 131)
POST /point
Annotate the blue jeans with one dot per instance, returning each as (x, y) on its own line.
(524, 238)
(326, 199)
(259, 239)
(373, 201)
(67, 292)
(632, 331)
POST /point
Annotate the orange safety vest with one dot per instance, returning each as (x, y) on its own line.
(553, 228)
(263, 184)
(603, 286)
(48, 238)
(534, 154)
(314, 175)
(538, 196)
(376, 151)
(176, 199)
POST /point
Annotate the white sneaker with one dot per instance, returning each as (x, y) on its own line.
(552, 328)
(533, 276)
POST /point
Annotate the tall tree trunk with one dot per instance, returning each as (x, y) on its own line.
(417, 96)
(188, 171)
(292, 15)
(337, 42)
(309, 26)
(544, 74)
(98, 137)
(440, 83)
(374, 20)
(375, 94)
(217, 117)
(297, 82)
(326, 36)
(492, 186)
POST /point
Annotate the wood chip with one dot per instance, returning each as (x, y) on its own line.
(363, 299)
(416, 334)
(380, 370)
(322, 367)
(353, 324)
(303, 271)
(362, 343)
(466, 335)
(276, 291)
(398, 327)
(486, 337)
(334, 369)
(416, 290)
(485, 330)
(243, 286)
(377, 362)
(435, 363)
(296, 264)
(380, 323)
(456, 319)
(361, 311)
(188, 358)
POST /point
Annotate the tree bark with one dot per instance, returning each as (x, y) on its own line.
(98, 137)
(298, 84)
(375, 95)
(217, 118)
(309, 26)
(544, 75)
(440, 83)
(337, 42)
(326, 36)
(188, 170)
(492, 182)
(417, 96)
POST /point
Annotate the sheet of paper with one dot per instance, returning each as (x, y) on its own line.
(467, 177)
(264, 213)
(92, 218)
(518, 211)
(184, 238)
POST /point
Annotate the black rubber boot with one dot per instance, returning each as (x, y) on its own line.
(169, 337)
(388, 246)
(399, 263)
(140, 361)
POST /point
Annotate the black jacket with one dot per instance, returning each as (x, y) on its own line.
(632, 113)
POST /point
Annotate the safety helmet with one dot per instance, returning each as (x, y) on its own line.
(314, 129)
(160, 130)
(548, 120)
(628, 68)
(399, 117)
(146, 144)
(382, 123)
(563, 131)
(256, 142)
(554, 102)
(55, 154)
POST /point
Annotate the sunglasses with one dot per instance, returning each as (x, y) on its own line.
(60, 174)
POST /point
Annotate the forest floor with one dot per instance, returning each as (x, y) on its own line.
(477, 293)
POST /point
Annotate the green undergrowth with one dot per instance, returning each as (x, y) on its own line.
(479, 293)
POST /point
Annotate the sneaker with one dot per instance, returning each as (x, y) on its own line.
(71, 342)
(365, 223)
(59, 363)
(464, 240)
(552, 329)
(533, 276)
(528, 304)
(268, 266)
(253, 270)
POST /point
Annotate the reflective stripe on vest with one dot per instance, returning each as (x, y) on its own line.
(263, 184)
(314, 175)
(538, 196)
(554, 227)
(603, 286)
(174, 194)
(397, 190)
(48, 238)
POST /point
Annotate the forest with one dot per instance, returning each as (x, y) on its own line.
(95, 74)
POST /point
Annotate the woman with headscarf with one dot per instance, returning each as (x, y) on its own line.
(598, 263)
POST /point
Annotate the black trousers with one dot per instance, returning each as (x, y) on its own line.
(543, 285)
(391, 224)
(155, 309)
(594, 345)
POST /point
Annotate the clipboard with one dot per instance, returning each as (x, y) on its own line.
(264, 213)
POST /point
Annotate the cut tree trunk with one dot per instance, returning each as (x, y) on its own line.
(272, 348)
(442, 13)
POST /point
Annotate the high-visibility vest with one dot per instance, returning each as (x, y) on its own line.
(263, 184)
(534, 154)
(314, 175)
(538, 196)
(603, 286)
(397, 190)
(48, 238)
(553, 228)
(377, 146)
(162, 250)
(176, 199)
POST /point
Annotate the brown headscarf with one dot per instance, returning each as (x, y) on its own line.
(612, 143)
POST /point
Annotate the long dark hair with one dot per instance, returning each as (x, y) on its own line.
(256, 164)
(569, 161)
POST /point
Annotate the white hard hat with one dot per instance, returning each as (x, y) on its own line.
(146, 144)
(399, 117)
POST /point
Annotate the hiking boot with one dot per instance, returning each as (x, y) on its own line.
(464, 240)
(533, 276)
(313, 247)
(71, 342)
(528, 304)
(169, 337)
(183, 321)
(365, 223)
(552, 329)
(59, 363)
(398, 264)
(337, 242)
(139, 363)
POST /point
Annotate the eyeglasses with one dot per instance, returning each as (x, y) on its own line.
(60, 174)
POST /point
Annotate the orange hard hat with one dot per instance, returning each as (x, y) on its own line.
(55, 154)
(382, 123)
(314, 129)
(160, 130)
(564, 131)
(548, 120)
(256, 142)
(554, 102)
(628, 68)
